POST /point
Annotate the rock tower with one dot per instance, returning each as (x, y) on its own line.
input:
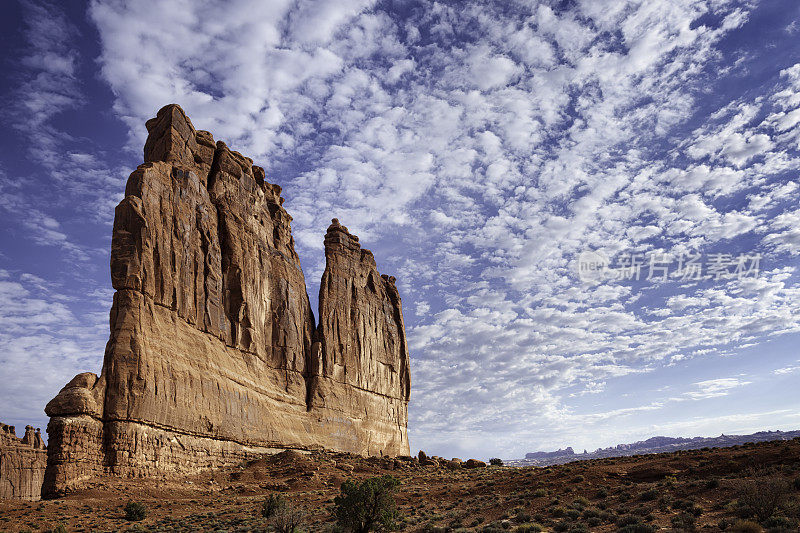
(214, 354)
(22, 464)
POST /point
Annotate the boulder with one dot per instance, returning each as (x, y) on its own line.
(453, 465)
(474, 463)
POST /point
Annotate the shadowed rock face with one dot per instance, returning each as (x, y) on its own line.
(22, 464)
(214, 355)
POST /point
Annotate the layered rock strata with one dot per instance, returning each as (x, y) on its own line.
(214, 355)
(22, 464)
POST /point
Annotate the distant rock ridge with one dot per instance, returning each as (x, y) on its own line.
(214, 353)
(568, 452)
(22, 463)
(652, 445)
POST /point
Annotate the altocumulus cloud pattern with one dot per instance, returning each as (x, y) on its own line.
(478, 148)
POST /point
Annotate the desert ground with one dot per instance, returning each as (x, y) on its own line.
(705, 490)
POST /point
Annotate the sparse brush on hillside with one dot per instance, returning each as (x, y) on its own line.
(496, 461)
(746, 526)
(762, 495)
(637, 528)
(284, 517)
(713, 490)
(367, 506)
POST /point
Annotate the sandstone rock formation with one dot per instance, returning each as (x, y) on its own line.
(474, 463)
(22, 464)
(214, 355)
(360, 357)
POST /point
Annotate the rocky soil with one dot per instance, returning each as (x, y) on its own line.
(682, 491)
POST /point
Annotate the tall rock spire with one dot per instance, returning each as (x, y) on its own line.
(211, 356)
(362, 342)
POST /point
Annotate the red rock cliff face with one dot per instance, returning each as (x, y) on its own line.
(22, 464)
(212, 356)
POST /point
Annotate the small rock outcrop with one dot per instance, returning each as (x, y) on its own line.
(474, 463)
(214, 353)
(22, 464)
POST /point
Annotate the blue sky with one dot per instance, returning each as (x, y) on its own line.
(478, 148)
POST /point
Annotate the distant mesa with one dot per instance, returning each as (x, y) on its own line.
(214, 354)
(569, 452)
(651, 445)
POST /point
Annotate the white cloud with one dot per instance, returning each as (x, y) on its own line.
(490, 71)
(787, 370)
(715, 388)
(481, 167)
(314, 22)
(42, 343)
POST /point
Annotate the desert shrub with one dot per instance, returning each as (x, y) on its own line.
(681, 504)
(762, 496)
(780, 523)
(591, 512)
(648, 495)
(684, 522)
(578, 528)
(712, 483)
(746, 526)
(580, 503)
(366, 506)
(135, 511)
(558, 512)
(637, 528)
(496, 461)
(540, 493)
(270, 505)
(725, 523)
(286, 518)
(628, 520)
(60, 528)
(528, 528)
(602, 494)
(578, 479)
